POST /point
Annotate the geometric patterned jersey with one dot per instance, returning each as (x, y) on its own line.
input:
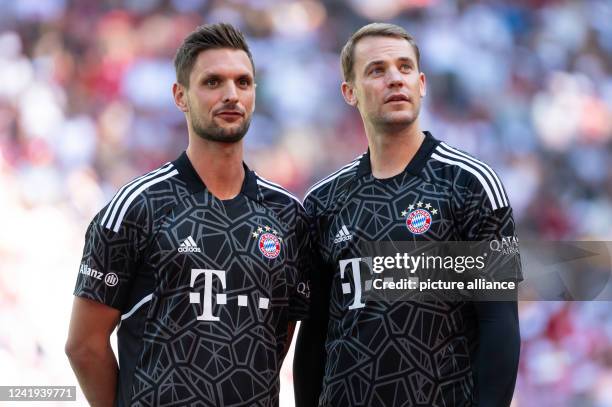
(206, 287)
(400, 353)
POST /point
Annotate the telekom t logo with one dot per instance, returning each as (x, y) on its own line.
(195, 298)
(355, 268)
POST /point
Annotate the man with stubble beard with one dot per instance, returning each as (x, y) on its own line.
(201, 263)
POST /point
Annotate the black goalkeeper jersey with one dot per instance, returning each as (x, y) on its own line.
(206, 287)
(381, 353)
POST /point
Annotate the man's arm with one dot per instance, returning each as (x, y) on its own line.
(498, 352)
(310, 357)
(486, 218)
(89, 351)
(309, 362)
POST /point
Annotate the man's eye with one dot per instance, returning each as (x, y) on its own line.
(376, 70)
(244, 83)
(405, 67)
(211, 82)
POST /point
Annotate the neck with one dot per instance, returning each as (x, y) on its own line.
(391, 151)
(219, 166)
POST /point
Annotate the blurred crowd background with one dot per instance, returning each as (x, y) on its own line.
(85, 106)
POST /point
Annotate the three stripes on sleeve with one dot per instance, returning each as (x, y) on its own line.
(119, 205)
(487, 177)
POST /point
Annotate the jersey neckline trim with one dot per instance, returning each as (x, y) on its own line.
(415, 166)
(195, 183)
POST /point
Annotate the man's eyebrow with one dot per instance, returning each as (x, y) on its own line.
(372, 63)
(209, 75)
(381, 62)
(216, 75)
(246, 76)
(406, 59)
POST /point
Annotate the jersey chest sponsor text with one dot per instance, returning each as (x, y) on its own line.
(204, 297)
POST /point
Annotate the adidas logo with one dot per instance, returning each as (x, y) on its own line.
(343, 235)
(189, 246)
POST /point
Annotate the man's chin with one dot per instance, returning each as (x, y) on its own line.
(225, 134)
(397, 119)
(224, 137)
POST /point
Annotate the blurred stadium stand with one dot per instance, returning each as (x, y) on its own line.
(85, 106)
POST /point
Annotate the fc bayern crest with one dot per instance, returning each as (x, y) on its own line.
(419, 217)
(269, 245)
(418, 221)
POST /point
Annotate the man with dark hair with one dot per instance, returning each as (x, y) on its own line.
(201, 263)
(407, 187)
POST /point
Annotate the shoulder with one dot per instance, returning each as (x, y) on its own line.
(278, 197)
(131, 201)
(471, 174)
(326, 191)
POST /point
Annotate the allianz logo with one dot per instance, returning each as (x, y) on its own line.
(88, 271)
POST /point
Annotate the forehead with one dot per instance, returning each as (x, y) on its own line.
(223, 62)
(374, 48)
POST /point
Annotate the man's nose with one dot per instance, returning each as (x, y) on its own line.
(394, 77)
(230, 93)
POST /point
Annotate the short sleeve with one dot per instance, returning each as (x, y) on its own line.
(111, 255)
(299, 303)
(486, 216)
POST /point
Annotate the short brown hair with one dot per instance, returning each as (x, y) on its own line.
(205, 37)
(373, 30)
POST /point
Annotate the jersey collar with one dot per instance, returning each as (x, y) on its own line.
(195, 183)
(415, 165)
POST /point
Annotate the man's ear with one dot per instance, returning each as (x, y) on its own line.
(254, 97)
(422, 84)
(348, 92)
(180, 97)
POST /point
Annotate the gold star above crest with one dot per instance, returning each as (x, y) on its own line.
(404, 213)
(419, 204)
(267, 228)
(427, 206)
(410, 207)
(259, 229)
(275, 232)
(254, 235)
(434, 211)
